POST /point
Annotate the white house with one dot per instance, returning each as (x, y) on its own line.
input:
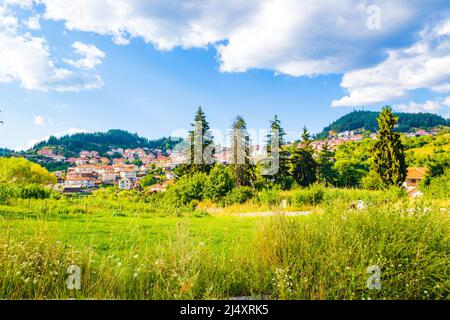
(125, 184)
(79, 182)
(128, 174)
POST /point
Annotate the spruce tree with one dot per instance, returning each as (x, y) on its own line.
(303, 165)
(275, 138)
(389, 151)
(240, 162)
(326, 172)
(201, 145)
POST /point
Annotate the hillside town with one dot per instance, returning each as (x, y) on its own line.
(125, 168)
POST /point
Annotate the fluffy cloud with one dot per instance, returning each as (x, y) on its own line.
(26, 59)
(292, 37)
(39, 120)
(33, 23)
(288, 36)
(432, 106)
(92, 56)
(426, 64)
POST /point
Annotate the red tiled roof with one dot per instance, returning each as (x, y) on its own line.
(416, 173)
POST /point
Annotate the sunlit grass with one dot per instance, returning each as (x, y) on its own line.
(321, 256)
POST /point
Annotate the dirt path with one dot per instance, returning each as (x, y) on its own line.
(271, 214)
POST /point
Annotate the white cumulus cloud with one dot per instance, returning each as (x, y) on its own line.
(27, 59)
(287, 36)
(432, 106)
(92, 56)
(292, 37)
(425, 65)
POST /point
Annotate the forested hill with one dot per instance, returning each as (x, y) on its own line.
(104, 141)
(368, 120)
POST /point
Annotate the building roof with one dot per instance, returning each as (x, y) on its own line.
(416, 173)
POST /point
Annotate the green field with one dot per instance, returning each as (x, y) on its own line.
(147, 256)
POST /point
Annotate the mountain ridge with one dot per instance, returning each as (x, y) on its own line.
(71, 145)
(359, 119)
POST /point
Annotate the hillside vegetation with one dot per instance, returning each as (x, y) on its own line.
(368, 120)
(104, 141)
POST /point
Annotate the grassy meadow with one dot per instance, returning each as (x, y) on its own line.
(128, 251)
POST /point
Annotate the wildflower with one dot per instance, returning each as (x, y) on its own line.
(135, 256)
(159, 264)
(186, 286)
(135, 275)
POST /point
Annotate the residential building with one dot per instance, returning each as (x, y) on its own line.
(125, 184)
(46, 152)
(414, 177)
(79, 182)
(128, 174)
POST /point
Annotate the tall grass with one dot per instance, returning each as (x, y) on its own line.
(321, 256)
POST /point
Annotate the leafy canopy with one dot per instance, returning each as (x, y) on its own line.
(22, 171)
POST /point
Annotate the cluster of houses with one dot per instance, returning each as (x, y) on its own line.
(49, 154)
(337, 138)
(91, 171)
(90, 176)
(422, 133)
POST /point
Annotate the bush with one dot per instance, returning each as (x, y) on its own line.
(33, 191)
(438, 187)
(239, 195)
(372, 181)
(22, 171)
(219, 183)
(312, 195)
(6, 192)
(28, 191)
(270, 196)
(186, 190)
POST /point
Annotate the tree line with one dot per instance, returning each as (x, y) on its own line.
(297, 164)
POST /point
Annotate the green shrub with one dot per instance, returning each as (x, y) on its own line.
(6, 192)
(27, 191)
(312, 195)
(239, 195)
(439, 187)
(219, 183)
(270, 196)
(33, 191)
(22, 171)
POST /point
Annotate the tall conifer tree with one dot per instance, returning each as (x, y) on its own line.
(201, 146)
(389, 151)
(240, 162)
(303, 165)
(275, 138)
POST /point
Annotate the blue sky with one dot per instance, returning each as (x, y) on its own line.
(74, 66)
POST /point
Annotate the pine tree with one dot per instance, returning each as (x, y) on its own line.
(201, 145)
(276, 139)
(241, 167)
(306, 138)
(303, 165)
(389, 152)
(326, 172)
